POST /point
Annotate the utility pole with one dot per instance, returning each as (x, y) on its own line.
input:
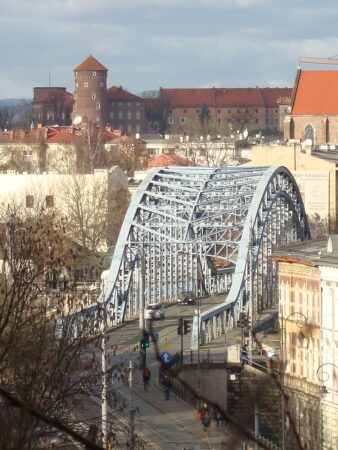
(256, 425)
(182, 333)
(131, 432)
(104, 407)
(143, 354)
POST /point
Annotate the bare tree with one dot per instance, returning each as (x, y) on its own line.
(85, 204)
(7, 114)
(90, 148)
(129, 154)
(39, 351)
(157, 110)
(206, 144)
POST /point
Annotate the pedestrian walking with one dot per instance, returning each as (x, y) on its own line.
(244, 355)
(146, 378)
(166, 388)
(206, 423)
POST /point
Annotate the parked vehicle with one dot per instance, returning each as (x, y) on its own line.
(154, 311)
(187, 298)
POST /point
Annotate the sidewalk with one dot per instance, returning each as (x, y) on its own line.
(184, 417)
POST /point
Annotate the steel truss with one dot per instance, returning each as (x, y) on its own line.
(200, 229)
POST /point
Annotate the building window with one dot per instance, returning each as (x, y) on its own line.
(129, 115)
(120, 114)
(256, 110)
(27, 155)
(138, 128)
(129, 128)
(94, 74)
(202, 152)
(29, 201)
(49, 201)
(93, 95)
(256, 120)
(111, 115)
(77, 84)
(218, 120)
(170, 120)
(138, 115)
(219, 111)
(98, 106)
(138, 104)
(101, 84)
(129, 104)
(182, 120)
(76, 74)
(229, 111)
(120, 103)
(197, 111)
(185, 111)
(238, 111)
(85, 84)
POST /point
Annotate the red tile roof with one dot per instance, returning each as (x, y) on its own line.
(90, 63)
(168, 160)
(316, 92)
(225, 97)
(118, 94)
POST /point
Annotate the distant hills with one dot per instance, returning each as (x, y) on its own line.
(14, 101)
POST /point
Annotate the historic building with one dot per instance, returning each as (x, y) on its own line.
(314, 107)
(233, 109)
(308, 315)
(91, 102)
(52, 105)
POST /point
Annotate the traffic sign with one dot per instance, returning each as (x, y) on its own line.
(166, 357)
(166, 346)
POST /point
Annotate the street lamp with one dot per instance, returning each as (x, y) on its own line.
(300, 322)
(325, 376)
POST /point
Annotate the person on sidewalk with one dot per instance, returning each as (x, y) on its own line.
(146, 379)
(206, 423)
(244, 355)
(166, 388)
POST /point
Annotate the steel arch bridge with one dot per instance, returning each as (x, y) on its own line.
(207, 230)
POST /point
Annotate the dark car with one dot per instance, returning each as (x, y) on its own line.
(187, 298)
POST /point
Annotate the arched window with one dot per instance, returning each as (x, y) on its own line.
(309, 133)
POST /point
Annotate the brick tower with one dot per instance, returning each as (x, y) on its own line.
(90, 96)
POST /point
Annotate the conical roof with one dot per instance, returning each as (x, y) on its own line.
(90, 63)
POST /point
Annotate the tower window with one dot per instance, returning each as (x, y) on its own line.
(94, 74)
(98, 106)
(85, 84)
(101, 84)
(93, 95)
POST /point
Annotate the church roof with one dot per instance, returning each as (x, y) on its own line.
(90, 63)
(315, 92)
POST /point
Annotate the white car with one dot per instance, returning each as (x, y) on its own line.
(155, 311)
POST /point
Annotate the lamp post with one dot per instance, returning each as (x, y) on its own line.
(300, 324)
(104, 402)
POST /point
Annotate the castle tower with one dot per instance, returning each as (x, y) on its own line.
(90, 96)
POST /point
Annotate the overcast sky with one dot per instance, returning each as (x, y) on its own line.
(146, 44)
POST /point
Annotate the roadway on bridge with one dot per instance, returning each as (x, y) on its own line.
(163, 425)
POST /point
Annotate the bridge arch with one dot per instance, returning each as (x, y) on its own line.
(207, 230)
